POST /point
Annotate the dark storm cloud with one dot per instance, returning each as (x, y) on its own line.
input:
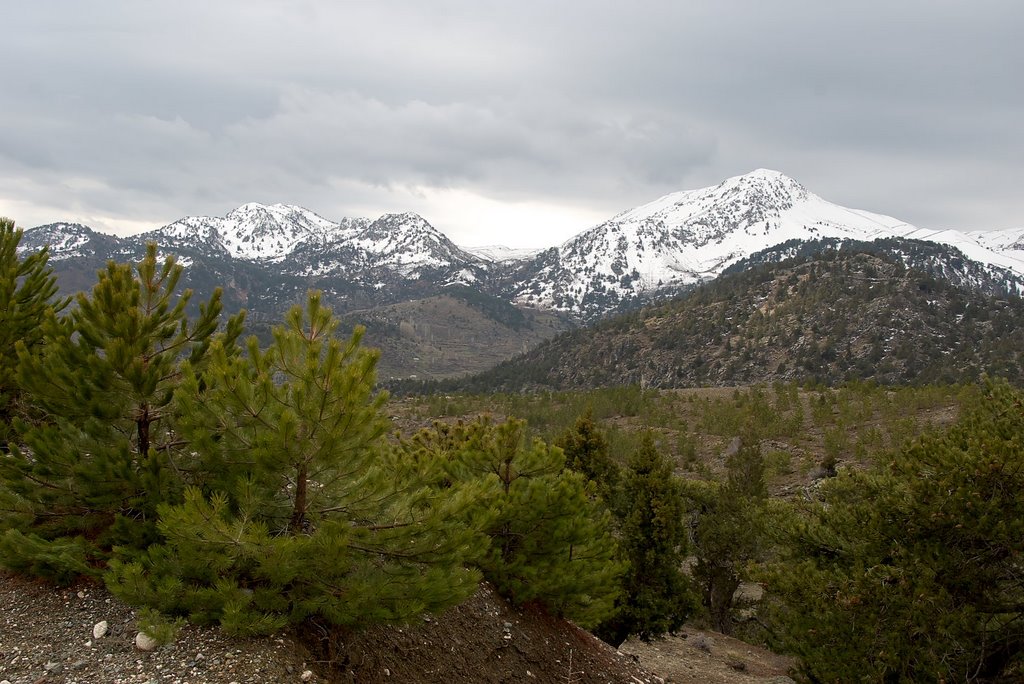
(147, 112)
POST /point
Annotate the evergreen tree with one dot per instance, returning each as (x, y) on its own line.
(304, 513)
(586, 451)
(89, 475)
(28, 291)
(912, 571)
(657, 597)
(727, 530)
(549, 542)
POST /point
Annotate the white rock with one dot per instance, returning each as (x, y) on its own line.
(306, 675)
(99, 630)
(144, 642)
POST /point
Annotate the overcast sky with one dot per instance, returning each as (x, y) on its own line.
(518, 123)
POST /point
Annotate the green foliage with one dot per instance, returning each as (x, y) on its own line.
(28, 291)
(158, 626)
(657, 597)
(90, 472)
(587, 452)
(911, 571)
(549, 542)
(727, 530)
(303, 513)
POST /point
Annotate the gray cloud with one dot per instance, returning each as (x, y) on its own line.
(143, 112)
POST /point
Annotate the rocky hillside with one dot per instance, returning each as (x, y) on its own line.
(461, 331)
(49, 635)
(828, 316)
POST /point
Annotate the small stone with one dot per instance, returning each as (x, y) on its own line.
(387, 672)
(306, 675)
(144, 642)
(81, 594)
(100, 629)
(53, 667)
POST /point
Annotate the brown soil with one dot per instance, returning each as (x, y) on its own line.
(482, 640)
(46, 637)
(698, 657)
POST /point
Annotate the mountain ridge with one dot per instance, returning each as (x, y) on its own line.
(688, 237)
(270, 254)
(828, 316)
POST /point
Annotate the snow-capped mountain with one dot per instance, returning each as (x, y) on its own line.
(268, 255)
(1011, 240)
(252, 232)
(301, 242)
(67, 241)
(408, 244)
(501, 254)
(688, 237)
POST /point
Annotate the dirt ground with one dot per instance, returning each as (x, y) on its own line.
(697, 657)
(47, 637)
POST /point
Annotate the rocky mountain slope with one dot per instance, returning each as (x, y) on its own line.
(827, 316)
(690, 237)
(266, 257)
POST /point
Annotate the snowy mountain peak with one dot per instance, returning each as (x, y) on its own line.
(253, 231)
(66, 241)
(408, 243)
(768, 184)
(689, 236)
(63, 238)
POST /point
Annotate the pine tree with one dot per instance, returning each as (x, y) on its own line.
(549, 542)
(657, 597)
(586, 451)
(304, 511)
(89, 475)
(727, 530)
(28, 291)
(912, 571)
